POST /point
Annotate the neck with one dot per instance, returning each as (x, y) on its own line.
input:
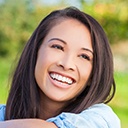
(50, 108)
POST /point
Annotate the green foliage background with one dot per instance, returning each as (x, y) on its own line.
(19, 18)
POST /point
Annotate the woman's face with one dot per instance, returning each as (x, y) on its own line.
(64, 61)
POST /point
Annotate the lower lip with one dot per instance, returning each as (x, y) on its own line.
(59, 84)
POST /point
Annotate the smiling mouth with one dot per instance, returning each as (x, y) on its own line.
(62, 79)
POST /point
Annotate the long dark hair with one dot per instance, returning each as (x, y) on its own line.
(24, 99)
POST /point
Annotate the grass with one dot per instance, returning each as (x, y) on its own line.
(5, 65)
(119, 103)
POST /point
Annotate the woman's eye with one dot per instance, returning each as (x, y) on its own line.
(84, 56)
(57, 47)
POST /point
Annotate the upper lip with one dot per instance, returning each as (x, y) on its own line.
(65, 75)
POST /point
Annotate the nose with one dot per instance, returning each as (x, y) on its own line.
(67, 63)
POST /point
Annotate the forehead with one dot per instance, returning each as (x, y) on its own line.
(71, 30)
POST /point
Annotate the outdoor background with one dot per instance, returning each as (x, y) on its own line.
(19, 18)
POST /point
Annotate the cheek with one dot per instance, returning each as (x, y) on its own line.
(40, 67)
(43, 59)
(85, 72)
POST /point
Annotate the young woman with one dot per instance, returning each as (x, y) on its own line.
(64, 77)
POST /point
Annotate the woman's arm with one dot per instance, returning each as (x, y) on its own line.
(23, 123)
(96, 116)
(27, 123)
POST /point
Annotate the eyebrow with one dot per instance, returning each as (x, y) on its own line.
(86, 49)
(58, 40)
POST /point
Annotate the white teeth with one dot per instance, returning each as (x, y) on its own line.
(69, 80)
(61, 78)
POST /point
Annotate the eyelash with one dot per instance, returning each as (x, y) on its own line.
(84, 56)
(57, 47)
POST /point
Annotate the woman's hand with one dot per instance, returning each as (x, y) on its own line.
(27, 123)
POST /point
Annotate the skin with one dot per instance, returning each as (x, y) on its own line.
(27, 123)
(70, 43)
(66, 51)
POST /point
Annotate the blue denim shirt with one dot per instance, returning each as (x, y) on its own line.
(96, 116)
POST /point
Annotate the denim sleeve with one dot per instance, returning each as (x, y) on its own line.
(97, 116)
(2, 112)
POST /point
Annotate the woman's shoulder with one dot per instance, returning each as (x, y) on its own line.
(100, 108)
(103, 114)
(2, 112)
(96, 116)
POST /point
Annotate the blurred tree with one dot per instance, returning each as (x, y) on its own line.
(112, 15)
(18, 20)
(15, 19)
